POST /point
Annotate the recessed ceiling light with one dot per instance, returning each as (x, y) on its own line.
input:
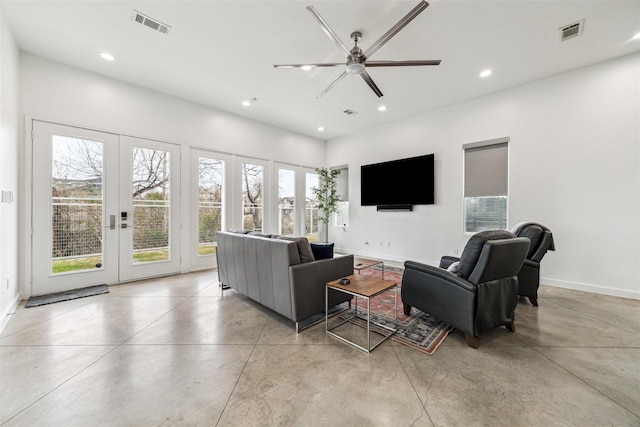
(247, 103)
(486, 73)
(382, 108)
(636, 37)
(306, 67)
(107, 56)
(320, 129)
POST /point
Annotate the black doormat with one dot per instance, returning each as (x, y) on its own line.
(67, 295)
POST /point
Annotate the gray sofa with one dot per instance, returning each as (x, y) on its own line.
(269, 271)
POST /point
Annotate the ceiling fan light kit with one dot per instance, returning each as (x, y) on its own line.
(357, 60)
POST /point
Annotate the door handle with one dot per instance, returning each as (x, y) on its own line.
(112, 222)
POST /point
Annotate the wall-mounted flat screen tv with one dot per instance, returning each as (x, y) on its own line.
(398, 182)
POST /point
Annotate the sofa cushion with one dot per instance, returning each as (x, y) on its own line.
(322, 250)
(304, 248)
(259, 234)
(239, 231)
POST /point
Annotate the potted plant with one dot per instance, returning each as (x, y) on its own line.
(327, 197)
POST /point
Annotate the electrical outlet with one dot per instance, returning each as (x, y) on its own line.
(388, 244)
(455, 251)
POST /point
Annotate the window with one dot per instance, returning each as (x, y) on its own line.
(311, 208)
(286, 201)
(486, 182)
(210, 186)
(341, 218)
(252, 192)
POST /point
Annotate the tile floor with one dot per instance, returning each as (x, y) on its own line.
(172, 351)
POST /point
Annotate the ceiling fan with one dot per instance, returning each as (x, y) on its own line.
(357, 60)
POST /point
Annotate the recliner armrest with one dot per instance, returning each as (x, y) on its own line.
(440, 273)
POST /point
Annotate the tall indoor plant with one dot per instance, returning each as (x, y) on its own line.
(327, 197)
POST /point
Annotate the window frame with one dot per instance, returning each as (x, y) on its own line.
(498, 181)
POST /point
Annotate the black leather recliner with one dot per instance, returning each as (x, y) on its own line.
(541, 241)
(480, 294)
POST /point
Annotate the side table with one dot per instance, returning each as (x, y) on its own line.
(366, 288)
(360, 264)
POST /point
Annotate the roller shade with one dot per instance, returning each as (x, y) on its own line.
(486, 169)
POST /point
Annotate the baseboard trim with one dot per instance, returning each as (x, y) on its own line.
(384, 257)
(590, 288)
(11, 308)
(615, 292)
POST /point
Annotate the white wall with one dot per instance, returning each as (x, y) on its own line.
(57, 92)
(574, 166)
(9, 125)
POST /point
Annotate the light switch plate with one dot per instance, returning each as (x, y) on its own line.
(7, 196)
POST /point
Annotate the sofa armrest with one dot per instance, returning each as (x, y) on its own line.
(308, 284)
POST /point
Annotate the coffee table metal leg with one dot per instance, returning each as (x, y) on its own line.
(368, 324)
(369, 348)
(326, 308)
(395, 317)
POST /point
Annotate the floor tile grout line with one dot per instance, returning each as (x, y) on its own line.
(45, 320)
(594, 318)
(114, 348)
(423, 404)
(188, 298)
(255, 344)
(585, 382)
(63, 382)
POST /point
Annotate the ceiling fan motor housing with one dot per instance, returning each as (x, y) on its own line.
(355, 61)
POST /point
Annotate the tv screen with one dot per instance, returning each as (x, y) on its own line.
(399, 182)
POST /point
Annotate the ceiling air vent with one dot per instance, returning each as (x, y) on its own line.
(572, 30)
(350, 112)
(143, 19)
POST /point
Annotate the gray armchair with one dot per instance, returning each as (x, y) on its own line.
(541, 240)
(479, 294)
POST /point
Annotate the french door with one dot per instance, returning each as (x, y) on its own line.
(106, 208)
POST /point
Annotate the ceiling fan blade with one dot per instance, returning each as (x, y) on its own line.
(396, 28)
(329, 64)
(367, 78)
(328, 31)
(401, 63)
(333, 83)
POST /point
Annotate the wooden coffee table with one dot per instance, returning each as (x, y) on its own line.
(360, 264)
(366, 288)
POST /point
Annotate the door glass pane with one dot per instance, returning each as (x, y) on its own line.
(286, 201)
(76, 204)
(210, 182)
(311, 208)
(150, 199)
(252, 183)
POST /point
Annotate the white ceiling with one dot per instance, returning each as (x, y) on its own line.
(219, 53)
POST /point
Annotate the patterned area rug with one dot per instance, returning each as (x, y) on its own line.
(419, 331)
